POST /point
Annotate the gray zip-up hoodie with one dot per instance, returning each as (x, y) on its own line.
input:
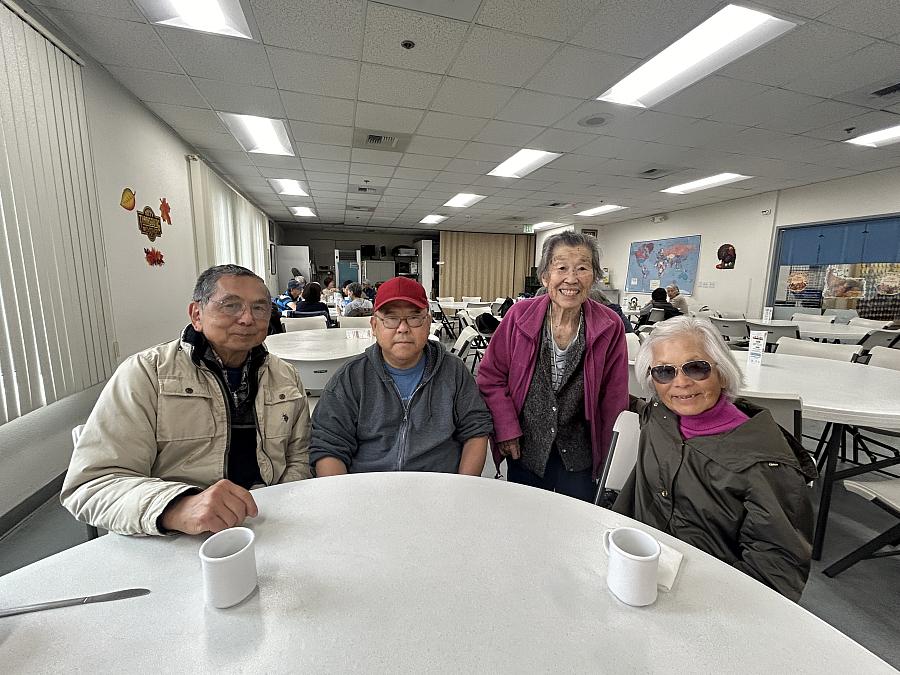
(361, 420)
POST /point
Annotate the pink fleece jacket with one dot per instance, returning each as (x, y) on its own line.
(504, 375)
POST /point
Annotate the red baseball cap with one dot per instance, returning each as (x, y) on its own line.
(401, 288)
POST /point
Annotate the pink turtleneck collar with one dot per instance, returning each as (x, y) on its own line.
(721, 418)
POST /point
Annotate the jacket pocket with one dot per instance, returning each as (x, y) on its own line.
(281, 407)
(185, 411)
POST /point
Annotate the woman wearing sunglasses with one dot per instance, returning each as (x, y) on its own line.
(715, 471)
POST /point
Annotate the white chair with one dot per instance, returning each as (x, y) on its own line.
(880, 338)
(312, 400)
(657, 315)
(356, 322)
(475, 310)
(811, 318)
(466, 345)
(471, 298)
(92, 532)
(733, 331)
(841, 315)
(436, 328)
(448, 298)
(774, 332)
(633, 344)
(787, 410)
(883, 493)
(731, 315)
(622, 455)
(307, 323)
(821, 350)
(882, 357)
(869, 323)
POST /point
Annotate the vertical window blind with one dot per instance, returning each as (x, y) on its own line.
(228, 228)
(56, 333)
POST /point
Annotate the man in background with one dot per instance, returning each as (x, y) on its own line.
(676, 299)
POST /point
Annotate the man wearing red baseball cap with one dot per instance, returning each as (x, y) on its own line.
(403, 405)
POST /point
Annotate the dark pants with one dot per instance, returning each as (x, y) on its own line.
(577, 484)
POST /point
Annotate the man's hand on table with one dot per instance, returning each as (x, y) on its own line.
(217, 508)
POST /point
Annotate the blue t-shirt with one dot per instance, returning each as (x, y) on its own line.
(407, 379)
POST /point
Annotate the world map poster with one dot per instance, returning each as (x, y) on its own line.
(660, 262)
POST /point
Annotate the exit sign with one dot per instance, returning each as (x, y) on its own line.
(528, 229)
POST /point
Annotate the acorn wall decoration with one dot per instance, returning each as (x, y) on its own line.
(128, 202)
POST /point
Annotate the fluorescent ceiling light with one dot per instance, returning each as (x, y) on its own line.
(724, 37)
(287, 186)
(258, 134)
(606, 208)
(706, 183)
(464, 199)
(546, 225)
(303, 211)
(224, 17)
(876, 139)
(523, 163)
(433, 219)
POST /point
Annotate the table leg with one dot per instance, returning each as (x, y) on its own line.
(831, 453)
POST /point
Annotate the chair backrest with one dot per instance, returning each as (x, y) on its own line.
(871, 323)
(308, 323)
(730, 329)
(474, 310)
(446, 298)
(657, 315)
(633, 344)
(786, 409)
(884, 357)
(803, 316)
(623, 451)
(841, 315)
(356, 322)
(775, 332)
(464, 318)
(821, 350)
(436, 328)
(461, 346)
(435, 308)
(880, 338)
(732, 315)
(471, 298)
(495, 307)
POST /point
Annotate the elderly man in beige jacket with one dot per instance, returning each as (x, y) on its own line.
(183, 430)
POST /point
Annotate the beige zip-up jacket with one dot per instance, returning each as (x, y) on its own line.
(160, 428)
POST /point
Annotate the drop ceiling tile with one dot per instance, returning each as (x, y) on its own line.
(314, 73)
(241, 98)
(552, 20)
(710, 96)
(281, 172)
(209, 139)
(311, 108)
(326, 177)
(609, 112)
(486, 152)
(409, 194)
(806, 8)
(326, 165)
(216, 57)
(643, 28)
(424, 162)
(508, 133)
(393, 86)
(465, 97)
(427, 145)
(117, 9)
(319, 151)
(417, 185)
(870, 64)
(356, 179)
(116, 42)
(226, 156)
(188, 118)
(817, 116)
(533, 107)
(491, 55)
(558, 140)
(371, 171)
(808, 48)
(150, 86)
(239, 170)
(583, 73)
(472, 167)
(437, 38)
(366, 156)
(333, 28)
(415, 174)
(275, 161)
(387, 118)
(443, 125)
(878, 18)
(584, 163)
(862, 124)
(327, 134)
(753, 111)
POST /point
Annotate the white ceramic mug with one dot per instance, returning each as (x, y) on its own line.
(228, 560)
(633, 565)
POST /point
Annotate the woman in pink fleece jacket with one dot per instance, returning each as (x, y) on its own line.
(555, 375)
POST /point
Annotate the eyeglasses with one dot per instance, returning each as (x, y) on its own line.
(233, 308)
(696, 370)
(413, 321)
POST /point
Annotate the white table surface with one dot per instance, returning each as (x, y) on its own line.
(822, 331)
(453, 305)
(413, 573)
(326, 344)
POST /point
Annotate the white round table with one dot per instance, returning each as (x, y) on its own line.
(411, 573)
(817, 330)
(317, 354)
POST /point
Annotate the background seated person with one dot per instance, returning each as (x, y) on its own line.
(312, 299)
(403, 405)
(288, 299)
(741, 491)
(368, 289)
(658, 300)
(676, 299)
(183, 430)
(359, 305)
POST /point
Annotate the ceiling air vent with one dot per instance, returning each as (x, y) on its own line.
(386, 141)
(365, 189)
(364, 209)
(887, 91)
(882, 94)
(558, 205)
(656, 172)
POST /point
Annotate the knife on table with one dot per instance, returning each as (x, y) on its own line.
(103, 597)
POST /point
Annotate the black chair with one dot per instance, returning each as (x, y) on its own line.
(290, 314)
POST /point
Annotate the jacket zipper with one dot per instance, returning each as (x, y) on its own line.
(404, 426)
(225, 394)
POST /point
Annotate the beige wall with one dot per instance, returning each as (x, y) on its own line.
(486, 265)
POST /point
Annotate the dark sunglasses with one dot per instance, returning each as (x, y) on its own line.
(696, 370)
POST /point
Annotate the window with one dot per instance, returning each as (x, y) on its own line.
(55, 336)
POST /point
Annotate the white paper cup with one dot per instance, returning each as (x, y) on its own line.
(633, 565)
(228, 559)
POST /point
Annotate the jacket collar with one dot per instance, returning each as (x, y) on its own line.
(530, 319)
(434, 354)
(195, 344)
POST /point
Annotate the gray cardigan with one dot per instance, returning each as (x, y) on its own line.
(361, 420)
